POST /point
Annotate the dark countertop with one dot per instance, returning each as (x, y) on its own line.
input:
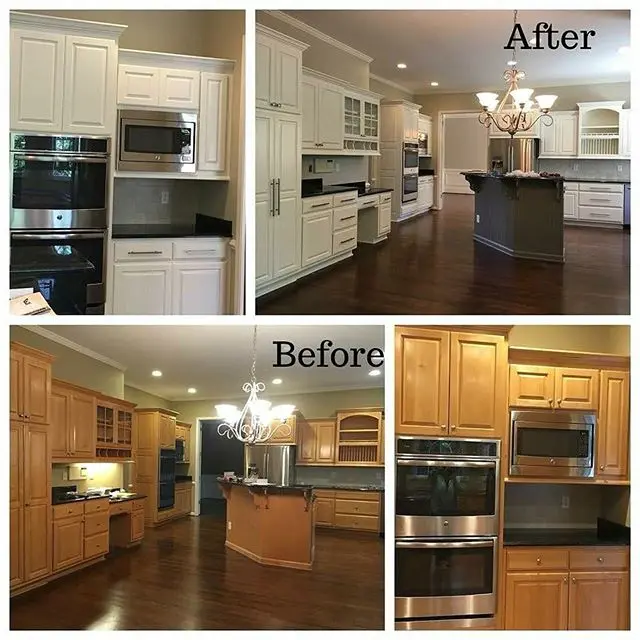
(373, 191)
(201, 227)
(136, 497)
(111, 500)
(606, 534)
(599, 180)
(501, 176)
(313, 187)
(269, 488)
(346, 487)
(327, 191)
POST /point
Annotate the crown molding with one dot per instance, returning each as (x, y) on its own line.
(175, 61)
(312, 31)
(65, 25)
(272, 33)
(403, 103)
(319, 75)
(391, 83)
(65, 342)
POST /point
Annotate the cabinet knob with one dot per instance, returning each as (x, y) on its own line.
(453, 427)
(566, 580)
(600, 559)
(445, 523)
(550, 402)
(538, 560)
(559, 402)
(552, 460)
(601, 467)
(573, 580)
(443, 427)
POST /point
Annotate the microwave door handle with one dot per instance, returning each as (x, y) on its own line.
(446, 463)
(465, 544)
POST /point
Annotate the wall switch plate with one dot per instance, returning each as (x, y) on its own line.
(619, 168)
(164, 198)
(575, 166)
(565, 502)
(478, 218)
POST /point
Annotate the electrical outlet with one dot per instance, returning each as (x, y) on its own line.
(565, 502)
(619, 168)
(229, 525)
(575, 166)
(164, 198)
(478, 218)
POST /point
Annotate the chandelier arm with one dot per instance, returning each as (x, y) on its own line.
(547, 122)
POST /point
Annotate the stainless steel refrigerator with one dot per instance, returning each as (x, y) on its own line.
(274, 462)
(507, 154)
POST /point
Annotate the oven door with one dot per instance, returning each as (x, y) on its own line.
(66, 268)
(410, 157)
(409, 187)
(445, 578)
(446, 497)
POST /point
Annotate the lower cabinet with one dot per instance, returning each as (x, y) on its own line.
(198, 289)
(137, 525)
(142, 289)
(183, 501)
(317, 237)
(68, 541)
(537, 601)
(37, 542)
(357, 510)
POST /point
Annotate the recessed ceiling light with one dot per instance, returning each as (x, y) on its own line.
(192, 390)
(402, 65)
(276, 381)
(375, 372)
(624, 51)
(434, 84)
(156, 374)
(512, 63)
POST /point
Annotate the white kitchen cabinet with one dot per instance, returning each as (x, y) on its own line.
(142, 288)
(322, 114)
(317, 237)
(625, 133)
(570, 205)
(214, 108)
(361, 117)
(138, 86)
(410, 119)
(198, 288)
(600, 129)
(561, 137)
(425, 130)
(179, 89)
(384, 217)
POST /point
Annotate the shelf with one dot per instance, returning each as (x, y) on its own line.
(358, 443)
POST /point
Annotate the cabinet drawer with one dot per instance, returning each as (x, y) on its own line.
(570, 186)
(345, 217)
(317, 204)
(595, 558)
(96, 506)
(599, 199)
(199, 249)
(130, 250)
(386, 197)
(364, 523)
(96, 545)
(137, 505)
(535, 559)
(345, 240)
(600, 214)
(120, 507)
(369, 496)
(71, 510)
(96, 523)
(357, 507)
(324, 493)
(602, 187)
(368, 201)
(351, 197)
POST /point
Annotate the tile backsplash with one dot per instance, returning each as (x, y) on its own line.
(604, 169)
(350, 476)
(350, 169)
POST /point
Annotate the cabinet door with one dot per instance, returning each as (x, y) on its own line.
(330, 115)
(422, 381)
(536, 601)
(16, 408)
(198, 289)
(68, 542)
(83, 426)
(548, 137)
(284, 433)
(325, 435)
(317, 237)
(16, 499)
(306, 441)
(37, 466)
(16, 546)
(179, 89)
(531, 386)
(265, 71)
(576, 389)
(310, 89)
(37, 541)
(478, 388)
(265, 154)
(138, 86)
(36, 390)
(325, 511)
(599, 601)
(89, 102)
(214, 113)
(384, 218)
(566, 131)
(59, 427)
(167, 432)
(187, 444)
(625, 132)
(288, 77)
(142, 289)
(612, 434)
(570, 207)
(137, 525)
(37, 72)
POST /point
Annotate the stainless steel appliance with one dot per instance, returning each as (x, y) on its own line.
(167, 479)
(156, 141)
(410, 186)
(410, 156)
(515, 153)
(552, 443)
(274, 462)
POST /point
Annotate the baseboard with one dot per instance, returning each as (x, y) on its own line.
(268, 561)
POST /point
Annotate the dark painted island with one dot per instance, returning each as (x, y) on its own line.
(522, 217)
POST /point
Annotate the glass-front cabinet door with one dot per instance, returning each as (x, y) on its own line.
(352, 116)
(371, 119)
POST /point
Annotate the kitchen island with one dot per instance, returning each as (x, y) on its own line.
(522, 217)
(271, 524)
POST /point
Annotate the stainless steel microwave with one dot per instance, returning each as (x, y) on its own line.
(156, 141)
(552, 443)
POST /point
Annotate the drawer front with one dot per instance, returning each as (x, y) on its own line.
(96, 545)
(142, 250)
(165, 514)
(538, 558)
(598, 199)
(137, 525)
(386, 197)
(316, 204)
(345, 217)
(571, 186)
(364, 523)
(340, 199)
(96, 523)
(595, 558)
(324, 493)
(120, 507)
(201, 249)
(602, 187)
(357, 507)
(368, 201)
(600, 214)
(137, 505)
(345, 240)
(72, 510)
(96, 506)
(369, 496)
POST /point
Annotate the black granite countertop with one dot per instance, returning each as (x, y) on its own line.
(269, 488)
(313, 187)
(137, 496)
(86, 498)
(373, 191)
(606, 534)
(346, 487)
(201, 226)
(597, 180)
(502, 176)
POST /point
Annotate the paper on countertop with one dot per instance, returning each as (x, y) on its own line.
(32, 304)
(16, 293)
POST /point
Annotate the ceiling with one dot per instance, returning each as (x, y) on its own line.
(216, 360)
(463, 50)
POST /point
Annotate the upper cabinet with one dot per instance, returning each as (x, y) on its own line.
(359, 438)
(561, 137)
(30, 385)
(600, 126)
(322, 115)
(284, 432)
(63, 75)
(425, 135)
(115, 426)
(73, 422)
(410, 120)
(316, 442)
(612, 435)
(278, 71)
(213, 136)
(625, 133)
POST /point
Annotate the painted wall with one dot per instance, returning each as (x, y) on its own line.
(99, 475)
(350, 169)
(74, 367)
(596, 339)
(320, 55)
(145, 400)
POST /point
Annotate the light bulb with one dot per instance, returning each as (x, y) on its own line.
(546, 101)
(521, 96)
(486, 99)
(282, 411)
(228, 412)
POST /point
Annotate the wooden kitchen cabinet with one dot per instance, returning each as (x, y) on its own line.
(359, 434)
(68, 542)
(537, 601)
(599, 600)
(183, 432)
(73, 422)
(325, 511)
(16, 504)
(30, 385)
(167, 432)
(612, 434)
(37, 542)
(284, 433)
(316, 442)
(137, 525)
(576, 389)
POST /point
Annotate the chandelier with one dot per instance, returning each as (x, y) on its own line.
(515, 118)
(257, 421)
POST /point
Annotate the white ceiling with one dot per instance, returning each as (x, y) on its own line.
(216, 360)
(463, 50)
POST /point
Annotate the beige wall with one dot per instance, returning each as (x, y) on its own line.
(320, 55)
(389, 92)
(99, 475)
(596, 339)
(145, 400)
(74, 367)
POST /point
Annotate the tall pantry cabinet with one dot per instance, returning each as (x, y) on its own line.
(278, 156)
(30, 466)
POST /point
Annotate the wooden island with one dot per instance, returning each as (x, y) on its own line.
(270, 524)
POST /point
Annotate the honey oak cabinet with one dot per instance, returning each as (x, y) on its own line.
(167, 432)
(599, 600)
(359, 437)
(612, 433)
(30, 385)
(73, 422)
(324, 511)
(16, 503)
(316, 442)
(283, 432)
(537, 601)
(450, 383)
(341, 509)
(68, 541)
(183, 432)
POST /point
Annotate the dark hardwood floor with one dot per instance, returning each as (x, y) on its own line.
(182, 577)
(431, 265)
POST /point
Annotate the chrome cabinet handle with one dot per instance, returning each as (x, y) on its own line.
(347, 218)
(273, 197)
(347, 240)
(278, 185)
(349, 200)
(144, 253)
